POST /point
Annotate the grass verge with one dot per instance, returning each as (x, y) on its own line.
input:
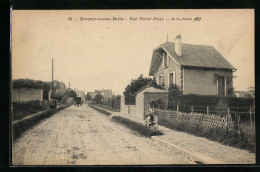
(226, 137)
(19, 127)
(100, 110)
(106, 107)
(136, 127)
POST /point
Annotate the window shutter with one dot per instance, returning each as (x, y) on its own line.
(163, 60)
(169, 79)
(168, 60)
(174, 77)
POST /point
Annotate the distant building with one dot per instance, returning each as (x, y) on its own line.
(106, 93)
(245, 94)
(80, 93)
(92, 94)
(98, 92)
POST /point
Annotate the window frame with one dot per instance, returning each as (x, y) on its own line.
(165, 60)
(160, 79)
(173, 78)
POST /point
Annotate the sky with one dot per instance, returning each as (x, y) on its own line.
(104, 54)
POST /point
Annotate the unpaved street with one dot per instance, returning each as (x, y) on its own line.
(82, 136)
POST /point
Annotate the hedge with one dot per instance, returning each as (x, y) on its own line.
(201, 100)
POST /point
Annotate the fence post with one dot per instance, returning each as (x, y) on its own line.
(207, 110)
(191, 109)
(177, 108)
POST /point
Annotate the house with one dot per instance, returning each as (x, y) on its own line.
(197, 69)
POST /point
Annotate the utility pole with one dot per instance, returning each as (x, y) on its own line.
(69, 84)
(52, 78)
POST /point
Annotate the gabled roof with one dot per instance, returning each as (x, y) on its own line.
(151, 89)
(192, 56)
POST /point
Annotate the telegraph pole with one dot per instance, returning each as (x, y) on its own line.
(52, 78)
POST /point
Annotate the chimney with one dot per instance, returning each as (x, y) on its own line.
(178, 45)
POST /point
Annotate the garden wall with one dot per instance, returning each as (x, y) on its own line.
(129, 109)
(26, 94)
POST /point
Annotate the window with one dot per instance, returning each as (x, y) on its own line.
(165, 60)
(172, 78)
(161, 80)
(221, 86)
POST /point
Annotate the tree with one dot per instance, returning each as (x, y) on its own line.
(98, 99)
(70, 93)
(57, 95)
(88, 97)
(46, 89)
(137, 84)
(174, 93)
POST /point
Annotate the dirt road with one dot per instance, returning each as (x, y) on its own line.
(82, 136)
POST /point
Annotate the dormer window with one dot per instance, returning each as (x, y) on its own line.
(165, 60)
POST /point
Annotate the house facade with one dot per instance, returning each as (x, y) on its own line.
(197, 69)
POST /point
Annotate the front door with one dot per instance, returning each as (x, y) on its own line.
(221, 85)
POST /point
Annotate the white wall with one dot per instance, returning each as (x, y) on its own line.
(140, 105)
(26, 94)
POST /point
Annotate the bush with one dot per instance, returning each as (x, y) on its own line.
(98, 99)
(136, 126)
(28, 83)
(70, 93)
(136, 85)
(116, 102)
(174, 93)
(201, 100)
(88, 97)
